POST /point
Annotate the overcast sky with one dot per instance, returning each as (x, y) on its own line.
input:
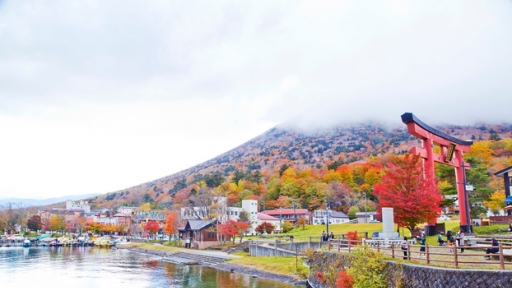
(98, 96)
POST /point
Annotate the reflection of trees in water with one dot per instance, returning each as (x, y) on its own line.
(150, 264)
(202, 277)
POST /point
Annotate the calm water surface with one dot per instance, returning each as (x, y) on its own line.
(75, 267)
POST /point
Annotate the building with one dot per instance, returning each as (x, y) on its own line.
(320, 217)
(365, 217)
(262, 217)
(202, 232)
(126, 210)
(290, 214)
(78, 205)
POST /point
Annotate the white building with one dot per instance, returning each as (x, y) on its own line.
(78, 205)
(320, 217)
(126, 210)
(231, 213)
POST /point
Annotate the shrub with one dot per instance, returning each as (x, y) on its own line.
(366, 267)
(344, 280)
(287, 226)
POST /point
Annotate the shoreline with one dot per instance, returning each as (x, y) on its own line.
(229, 267)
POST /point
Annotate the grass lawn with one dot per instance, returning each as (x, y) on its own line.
(279, 265)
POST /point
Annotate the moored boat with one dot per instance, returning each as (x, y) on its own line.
(26, 243)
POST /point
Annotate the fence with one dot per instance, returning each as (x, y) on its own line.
(472, 257)
(441, 255)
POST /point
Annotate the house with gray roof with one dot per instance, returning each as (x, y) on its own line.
(201, 232)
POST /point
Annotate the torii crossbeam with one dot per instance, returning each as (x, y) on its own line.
(452, 150)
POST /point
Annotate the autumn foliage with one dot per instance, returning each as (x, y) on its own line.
(412, 193)
(170, 226)
(344, 280)
(151, 227)
(96, 227)
(265, 227)
(232, 228)
(352, 237)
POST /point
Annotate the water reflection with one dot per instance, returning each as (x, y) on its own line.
(99, 267)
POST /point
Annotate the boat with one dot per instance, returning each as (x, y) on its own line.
(43, 236)
(26, 243)
(121, 241)
(104, 242)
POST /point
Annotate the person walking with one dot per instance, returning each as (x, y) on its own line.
(422, 243)
(405, 247)
(187, 243)
(331, 236)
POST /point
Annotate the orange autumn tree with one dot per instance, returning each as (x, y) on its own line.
(413, 194)
(171, 223)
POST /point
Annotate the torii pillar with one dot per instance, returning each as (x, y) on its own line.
(452, 150)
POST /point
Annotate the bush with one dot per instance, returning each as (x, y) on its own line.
(491, 229)
(366, 267)
(287, 226)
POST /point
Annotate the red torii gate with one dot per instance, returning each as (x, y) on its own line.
(452, 150)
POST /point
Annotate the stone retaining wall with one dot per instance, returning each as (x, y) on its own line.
(409, 275)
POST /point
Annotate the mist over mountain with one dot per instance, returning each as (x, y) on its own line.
(41, 202)
(303, 149)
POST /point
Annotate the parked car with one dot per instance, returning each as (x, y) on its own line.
(373, 221)
(443, 218)
(375, 235)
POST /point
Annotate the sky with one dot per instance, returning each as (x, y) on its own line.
(98, 96)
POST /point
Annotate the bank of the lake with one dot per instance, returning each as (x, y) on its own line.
(281, 269)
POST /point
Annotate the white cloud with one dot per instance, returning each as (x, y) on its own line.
(97, 96)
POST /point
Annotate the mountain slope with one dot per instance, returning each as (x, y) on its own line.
(279, 146)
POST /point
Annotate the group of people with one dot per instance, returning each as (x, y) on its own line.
(325, 236)
(452, 241)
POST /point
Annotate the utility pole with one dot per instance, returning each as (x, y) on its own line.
(294, 214)
(365, 213)
(327, 214)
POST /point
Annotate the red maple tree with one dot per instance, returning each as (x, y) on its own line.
(266, 227)
(412, 193)
(151, 227)
(232, 228)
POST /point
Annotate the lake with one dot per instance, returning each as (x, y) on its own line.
(74, 267)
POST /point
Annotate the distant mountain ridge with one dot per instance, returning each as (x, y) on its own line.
(36, 202)
(279, 146)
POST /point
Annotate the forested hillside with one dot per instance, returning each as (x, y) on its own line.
(296, 165)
